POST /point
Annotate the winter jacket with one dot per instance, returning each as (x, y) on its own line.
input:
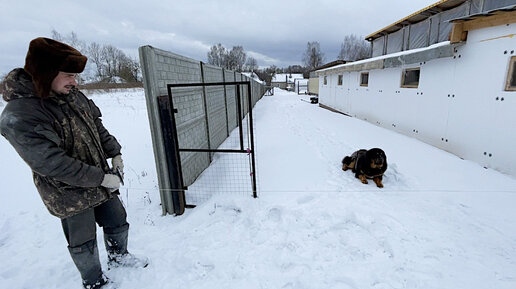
(63, 141)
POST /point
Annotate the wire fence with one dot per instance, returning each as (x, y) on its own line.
(228, 173)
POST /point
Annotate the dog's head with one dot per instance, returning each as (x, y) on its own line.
(376, 158)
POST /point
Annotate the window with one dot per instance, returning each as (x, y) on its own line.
(325, 80)
(340, 80)
(410, 78)
(364, 79)
(510, 84)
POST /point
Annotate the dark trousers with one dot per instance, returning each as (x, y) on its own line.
(81, 228)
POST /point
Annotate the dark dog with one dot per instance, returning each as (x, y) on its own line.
(367, 164)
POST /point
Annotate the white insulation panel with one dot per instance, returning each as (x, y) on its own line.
(460, 104)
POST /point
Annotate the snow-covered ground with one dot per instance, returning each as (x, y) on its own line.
(440, 222)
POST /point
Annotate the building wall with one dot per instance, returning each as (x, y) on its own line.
(313, 85)
(457, 106)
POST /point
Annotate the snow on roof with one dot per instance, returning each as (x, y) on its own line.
(406, 52)
(289, 77)
(253, 76)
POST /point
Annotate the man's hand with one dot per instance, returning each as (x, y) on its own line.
(111, 182)
(118, 163)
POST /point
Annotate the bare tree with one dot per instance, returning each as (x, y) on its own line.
(124, 63)
(74, 41)
(251, 64)
(233, 59)
(217, 55)
(56, 35)
(313, 57)
(112, 58)
(94, 53)
(110, 61)
(135, 69)
(267, 74)
(107, 55)
(236, 58)
(354, 48)
(274, 69)
(129, 69)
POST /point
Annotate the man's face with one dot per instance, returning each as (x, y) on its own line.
(64, 82)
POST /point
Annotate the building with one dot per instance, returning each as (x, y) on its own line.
(313, 80)
(285, 80)
(444, 75)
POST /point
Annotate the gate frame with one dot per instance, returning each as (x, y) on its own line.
(172, 141)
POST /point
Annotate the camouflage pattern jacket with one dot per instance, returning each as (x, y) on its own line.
(63, 141)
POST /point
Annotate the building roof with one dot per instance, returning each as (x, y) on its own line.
(330, 64)
(415, 17)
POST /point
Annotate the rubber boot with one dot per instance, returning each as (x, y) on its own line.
(86, 259)
(118, 256)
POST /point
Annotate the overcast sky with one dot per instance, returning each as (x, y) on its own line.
(272, 31)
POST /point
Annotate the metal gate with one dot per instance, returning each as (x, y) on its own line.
(168, 111)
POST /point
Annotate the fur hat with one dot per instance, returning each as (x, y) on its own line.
(46, 57)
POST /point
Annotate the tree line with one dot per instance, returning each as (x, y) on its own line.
(235, 59)
(353, 48)
(110, 63)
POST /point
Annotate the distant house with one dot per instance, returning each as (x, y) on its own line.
(313, 80)
(285, 80)
(445, 75)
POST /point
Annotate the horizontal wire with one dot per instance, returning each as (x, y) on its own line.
(347, 191)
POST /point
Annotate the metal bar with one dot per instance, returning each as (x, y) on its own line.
(239, 108)
(207, 84)
(225, 101)
(172, 153)
(205, 103)
(214, 151)
(251, 132)
(180, 194)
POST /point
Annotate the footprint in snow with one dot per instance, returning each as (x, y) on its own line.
(274, 215)
(305, 199)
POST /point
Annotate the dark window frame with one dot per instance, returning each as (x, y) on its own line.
(510, 82)
(325, 81)
(404, 80)
(340, 79)
(366, 82)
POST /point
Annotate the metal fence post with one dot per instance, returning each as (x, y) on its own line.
(205, 104)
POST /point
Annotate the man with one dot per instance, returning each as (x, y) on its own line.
(58, 132)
